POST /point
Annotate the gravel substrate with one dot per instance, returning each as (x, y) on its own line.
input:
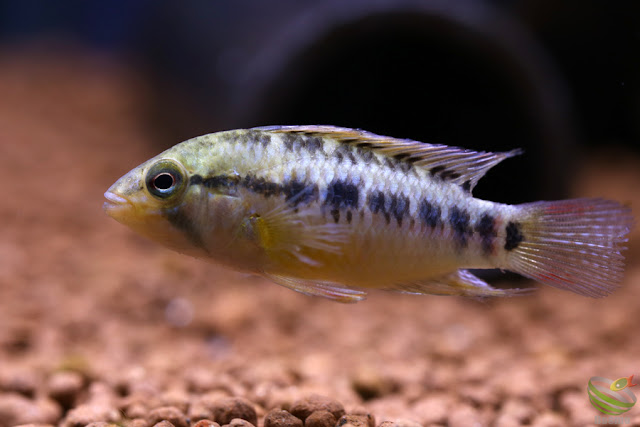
(100, 326)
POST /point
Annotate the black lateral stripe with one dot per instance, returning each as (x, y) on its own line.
(486, 228)
(430, 214)
(221, 181)
(261, 185)
(459, 220)
(514, 235)
(296, 192)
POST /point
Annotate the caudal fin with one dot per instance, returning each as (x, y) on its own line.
(571, 244)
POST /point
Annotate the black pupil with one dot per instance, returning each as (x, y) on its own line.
(163, 181)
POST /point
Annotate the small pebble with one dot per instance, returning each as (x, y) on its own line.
(400, 423)
(578, 407)
(238, 422)
(549, 419)
(16, 409)
(163, 423)
(281, 418)
(463, 415)
(167, 413)
(176, 398)
(19, 381)
(320, 419)
(199, 411)
(206, 423)
(64, 387)
(88, 413)
(304, 407)
(515, 410)
(225, 410)
(99, 424)
(356, 421)
(369, 383)
(136, 410)
(137, 422)
(432, 409)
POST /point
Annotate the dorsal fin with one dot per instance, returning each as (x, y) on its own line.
(458, 165)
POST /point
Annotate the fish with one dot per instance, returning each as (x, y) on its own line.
(622, 383)
(336, 212)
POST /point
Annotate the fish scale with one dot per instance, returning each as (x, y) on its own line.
(334, 211)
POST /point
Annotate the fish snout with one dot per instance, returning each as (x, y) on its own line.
(115, 203)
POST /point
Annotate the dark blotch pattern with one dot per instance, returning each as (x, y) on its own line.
(335, 213)
(343, 152)
(341, 194)
(296, 142)
(312, 144)
(288, 140)
(399, 207)
(430, 214)
(297, 192)
(514, 236)
(263, 139)
(249, 137)
(486, 228)
(261, 186)
(366, 155)
(459, 220)
(376, 202)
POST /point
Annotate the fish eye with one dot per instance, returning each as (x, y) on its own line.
(165, 179)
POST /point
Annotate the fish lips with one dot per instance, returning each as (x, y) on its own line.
(115, 204)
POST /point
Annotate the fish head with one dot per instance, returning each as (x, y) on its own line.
(144, 198)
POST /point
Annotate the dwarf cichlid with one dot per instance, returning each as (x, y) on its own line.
(333, 211)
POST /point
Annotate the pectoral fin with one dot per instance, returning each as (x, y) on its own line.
(286, 233)
(461, 283)
(332, 291)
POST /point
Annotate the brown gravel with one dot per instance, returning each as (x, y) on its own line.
(92, 317)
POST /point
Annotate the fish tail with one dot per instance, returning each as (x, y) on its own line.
(574, 244)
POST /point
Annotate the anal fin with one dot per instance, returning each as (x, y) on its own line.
(460, 283)
(332, 291)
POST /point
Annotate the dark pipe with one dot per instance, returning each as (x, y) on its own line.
(459, 73)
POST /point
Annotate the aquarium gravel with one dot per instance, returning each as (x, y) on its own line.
(99, 326)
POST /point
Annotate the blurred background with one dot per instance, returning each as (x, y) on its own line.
(552, 78)
(98, 324)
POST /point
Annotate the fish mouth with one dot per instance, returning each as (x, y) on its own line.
(115, 203)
